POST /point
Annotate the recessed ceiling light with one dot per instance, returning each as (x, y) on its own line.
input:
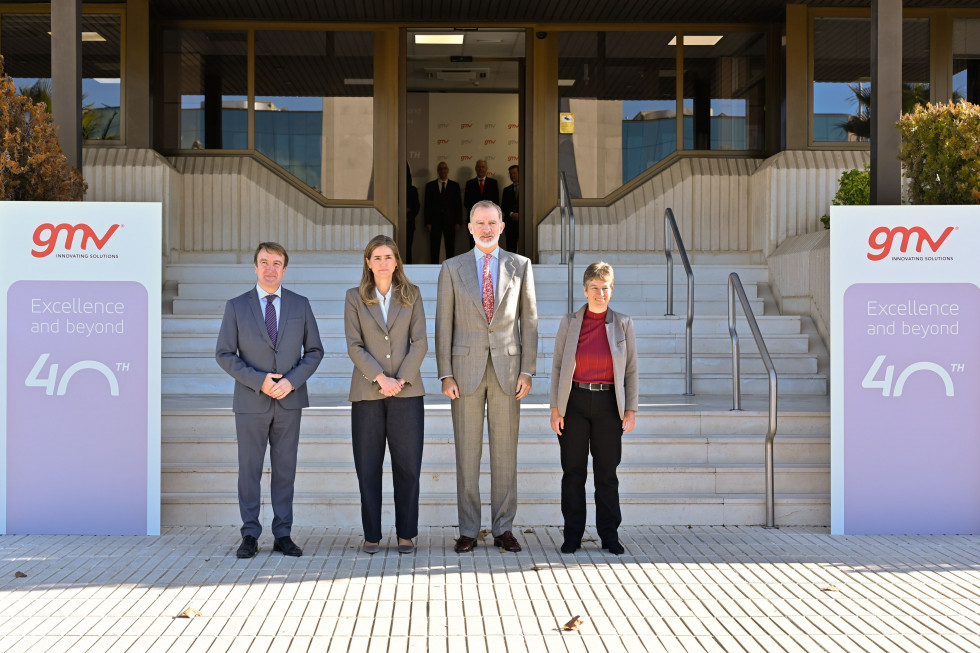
(566, 82)
(106, 80)
(358, 81)
(696, 39)
(439, 39)
(90, 36)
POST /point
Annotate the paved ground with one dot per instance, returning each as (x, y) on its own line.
(676, 589)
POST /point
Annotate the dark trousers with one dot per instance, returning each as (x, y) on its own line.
(440, 231)
(512, 230)
(592, 423)
(279, 428)
(409, 234)
(397, 422)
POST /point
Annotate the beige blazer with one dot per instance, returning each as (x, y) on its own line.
(396, 347)
(464, 340)
(622, 346)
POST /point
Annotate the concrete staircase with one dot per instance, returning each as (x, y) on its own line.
(690, 460)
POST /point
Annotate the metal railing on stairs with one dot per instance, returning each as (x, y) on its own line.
(735, 286)
(670, 226)
(567, 255)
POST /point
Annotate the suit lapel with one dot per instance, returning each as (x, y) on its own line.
(393, 310)
(375, 311)
(253, 299)
(467, 273)
(506, 270)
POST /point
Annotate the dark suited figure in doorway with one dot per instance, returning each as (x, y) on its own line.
(412, 207)
(270, 344)
(510, 206)
(443, 212)
(479, 189)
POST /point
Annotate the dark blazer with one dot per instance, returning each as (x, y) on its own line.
(443, 209)
(245, 351)
(396, 348)
(622, 348)
(508, 202)
(472, 195)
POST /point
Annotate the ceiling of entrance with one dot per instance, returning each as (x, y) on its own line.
(521, 11)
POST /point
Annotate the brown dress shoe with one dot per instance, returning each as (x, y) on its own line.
(507, 542)
(465, 544)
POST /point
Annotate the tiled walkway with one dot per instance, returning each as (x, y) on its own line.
(676, 589)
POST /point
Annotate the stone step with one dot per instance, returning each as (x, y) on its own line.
(333, 324)
(344, 510)
(339, 364)
(634, 308)
(348, 274)
(534, 449)
(440, 478)
(219, 383)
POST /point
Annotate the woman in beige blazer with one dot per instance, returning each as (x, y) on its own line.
(594, 396)
(385, 326)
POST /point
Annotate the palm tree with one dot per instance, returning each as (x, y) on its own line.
(859, 124)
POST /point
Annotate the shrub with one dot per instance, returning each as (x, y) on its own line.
(940, 153)
(853, 189)
(32, 165)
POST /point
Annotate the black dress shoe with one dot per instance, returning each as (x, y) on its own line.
(614, 547)
(570, 547)
(507, 542)
(249, 547)
(465, 544)
(287, 547)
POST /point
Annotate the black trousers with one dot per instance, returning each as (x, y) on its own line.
(440, 231)
(512, 231)
(399, 423)
(592, 423)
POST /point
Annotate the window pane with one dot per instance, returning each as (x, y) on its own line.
(621, 88)
(205, 75)
(841, 79)
(724, 91)
(26, 48)
(101, 53)
(915, 63)
(314, 107)
(966, 59)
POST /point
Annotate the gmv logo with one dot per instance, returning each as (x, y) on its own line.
(46, 237)
(465, 125)
(881, 240)
(442, 141)
(512, 126)
(489, 141)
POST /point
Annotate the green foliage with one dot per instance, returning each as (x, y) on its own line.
(32, 165)
(853, 189)
(940, 153)
(859, 125)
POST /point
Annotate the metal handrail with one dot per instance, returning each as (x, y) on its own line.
(735, 286)
(567, 258)
(670, 225)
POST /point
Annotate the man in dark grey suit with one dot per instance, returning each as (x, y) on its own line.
(270, 344)
(443, 212)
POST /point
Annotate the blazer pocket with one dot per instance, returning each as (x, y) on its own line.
(461, 350)
(513, 350)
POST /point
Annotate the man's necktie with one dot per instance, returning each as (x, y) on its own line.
(271, 324)
(442, 187)
(516, 192)
(487, 288)
(481, 187)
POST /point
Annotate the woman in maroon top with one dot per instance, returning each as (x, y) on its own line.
(594, 396)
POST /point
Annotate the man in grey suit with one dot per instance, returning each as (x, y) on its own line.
(486, 348)
(270, 344)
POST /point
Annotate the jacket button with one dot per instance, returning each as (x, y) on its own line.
(387, 355)
(386, 337)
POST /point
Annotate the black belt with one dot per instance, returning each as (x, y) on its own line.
(594, 387)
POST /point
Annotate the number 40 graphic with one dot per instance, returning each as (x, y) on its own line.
(885, 383)
(34, 379)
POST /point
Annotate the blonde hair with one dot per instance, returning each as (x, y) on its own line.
(404, 290)
(598, 270)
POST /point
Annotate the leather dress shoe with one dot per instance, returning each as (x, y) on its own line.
(249, 547)
(507, 542)
(614, 547)
(287, 547)
(406, 548)
(371, 547)
(571, 547)
(465, 544)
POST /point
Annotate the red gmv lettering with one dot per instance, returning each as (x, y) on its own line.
(881, 240)
(46, 237)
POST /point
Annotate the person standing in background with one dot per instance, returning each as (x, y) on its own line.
(510, 205)
(481, 188)
(412, 207)
(443, 212)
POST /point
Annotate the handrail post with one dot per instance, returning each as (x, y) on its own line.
(735, 285)
(670, 227)
(566, 204)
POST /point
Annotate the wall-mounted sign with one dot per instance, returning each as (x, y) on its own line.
(80, 389)
(566, 123)
(905, 370)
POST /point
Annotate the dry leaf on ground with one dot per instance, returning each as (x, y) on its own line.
(19, 574)
(574, 623)
(189, 613)
(528, 530)
(830, 588)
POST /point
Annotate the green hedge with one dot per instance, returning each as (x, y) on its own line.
(941, 153)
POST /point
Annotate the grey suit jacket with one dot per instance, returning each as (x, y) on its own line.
(245, 351)
(396, 347)
(622, 346)
(464, 340)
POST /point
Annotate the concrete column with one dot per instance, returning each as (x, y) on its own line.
(136, 116)
(797, 109)
(886, 101)
(66, 76)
